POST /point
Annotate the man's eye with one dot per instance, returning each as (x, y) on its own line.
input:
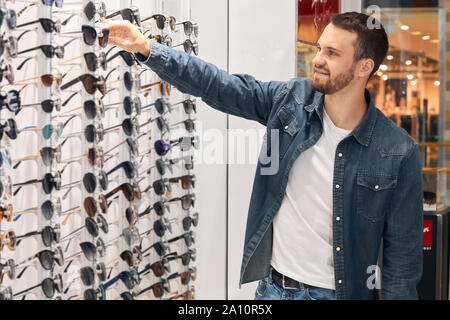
(331, 53)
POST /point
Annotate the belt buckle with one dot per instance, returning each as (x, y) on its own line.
(284, 284)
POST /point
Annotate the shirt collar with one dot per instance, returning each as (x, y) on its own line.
(362, 133)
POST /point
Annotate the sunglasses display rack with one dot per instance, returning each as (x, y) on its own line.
(97, 155)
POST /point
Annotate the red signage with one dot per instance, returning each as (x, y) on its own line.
(427, 233)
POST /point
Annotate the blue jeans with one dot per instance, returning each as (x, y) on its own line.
(270, 290)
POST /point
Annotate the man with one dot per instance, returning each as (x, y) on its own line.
(348, 176)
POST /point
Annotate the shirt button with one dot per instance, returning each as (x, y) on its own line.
(287, 127)
(338, 249)
(339, 281)
(338, 218)
(337, 186)
(340, 155)
(377, 187)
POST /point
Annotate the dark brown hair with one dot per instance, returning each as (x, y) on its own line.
(370, 43)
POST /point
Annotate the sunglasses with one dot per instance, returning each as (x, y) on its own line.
(11, 46)
(189, 28)
(159, 268)
(126, 56)
(187, 201)
(90, 35)
(9, 268)
(6, 70)
(10, 16)
(95, 294)
(162, 147)
(187, 181)
(47, 105)
(47, 80)
(49, 235)
(6, 293)
(131, 235)
(158, 288)
(130, 14)
(163, 126)
(6, 212)
(5, 187)
(49, 182)
(185, 276)
(47, 24)
(48, 286)
(48, 209)
(8, 238)
(130, 191)
(160, 226)
(129, 104)
(189, 221)
(131, 257)
(161, 21)
(163, 86)
(47, 259)
(187, 236)
(90, 83)
(93, 62)
(189, 46)
(10, 128)
(48, 50)
(93, 227)
(187, 295)
(90, 249)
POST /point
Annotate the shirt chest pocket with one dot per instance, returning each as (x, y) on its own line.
(373, 194)
(288, 127)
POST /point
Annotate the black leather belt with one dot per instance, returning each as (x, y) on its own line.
(288, 283)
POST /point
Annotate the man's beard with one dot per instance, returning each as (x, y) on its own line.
(332, 86)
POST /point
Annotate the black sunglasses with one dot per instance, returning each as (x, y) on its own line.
(48, 50)
(130, 14)
(47, 24)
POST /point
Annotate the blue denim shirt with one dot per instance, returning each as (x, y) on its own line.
(377, 181)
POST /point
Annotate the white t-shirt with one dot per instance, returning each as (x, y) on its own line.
(302, 229)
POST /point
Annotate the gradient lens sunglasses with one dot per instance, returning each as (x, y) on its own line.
(130, 14)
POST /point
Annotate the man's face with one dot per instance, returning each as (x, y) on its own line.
(334, 65)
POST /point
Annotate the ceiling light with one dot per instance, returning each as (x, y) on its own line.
(435, 41)
(413, 83)
(437, 83)
(404, 27)
(383, 67)
(379, 73)
(408, 62)
(416, 33)
(385, 77)
(410, 77)
(390, 57)
(426, 38)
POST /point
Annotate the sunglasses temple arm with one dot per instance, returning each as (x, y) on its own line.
(112, 15)
(29, 50)
(70, 83)
(23, 63)
(70, 98)
(115, 147)
(113, 57)
(27, 23)
(27, 290)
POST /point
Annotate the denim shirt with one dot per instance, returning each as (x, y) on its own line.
(377, 181)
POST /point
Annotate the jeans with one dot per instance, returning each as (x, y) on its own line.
(270, 290)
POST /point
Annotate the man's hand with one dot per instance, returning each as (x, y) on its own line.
(128, 37)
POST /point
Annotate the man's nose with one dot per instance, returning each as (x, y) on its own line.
(318, 60)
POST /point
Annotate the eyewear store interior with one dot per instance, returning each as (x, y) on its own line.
(115, 185)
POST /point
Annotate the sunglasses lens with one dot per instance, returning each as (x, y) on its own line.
(160, 22)
(103, 179)
(127, 126)
(47, 209)
(91, 61)
(161, 167)
(91, 227)
(46, 258)
(127, 104)
(87, 276)
(90, 206)
(158, 226)
(160, 106)
(89, 83)
(48, 287)
(48, 25)
(128, 81)
(133, 146)
(131, 216)
(158, 186)
(157, 268)
(92, 156)
(90, 133)
(90, 109)
(47, 106)
(103, 223)
(137, 105)
(101, 271)
(89, 10)
(89, 182)
(11, 19)
(47, 236)
(89, 34)
(160, 147)
(90, 294)
(187, 223)
(103, 40)
(127, 256)
(103, 203)
(158, 290)
(88, 250)
(159, 208)
(187, 28)
(13, 101)
(126, 296)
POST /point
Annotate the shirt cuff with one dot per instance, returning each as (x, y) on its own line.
(156, 57)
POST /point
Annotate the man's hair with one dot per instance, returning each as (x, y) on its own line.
(370, 43)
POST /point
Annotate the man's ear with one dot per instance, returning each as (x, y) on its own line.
(366, 68)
